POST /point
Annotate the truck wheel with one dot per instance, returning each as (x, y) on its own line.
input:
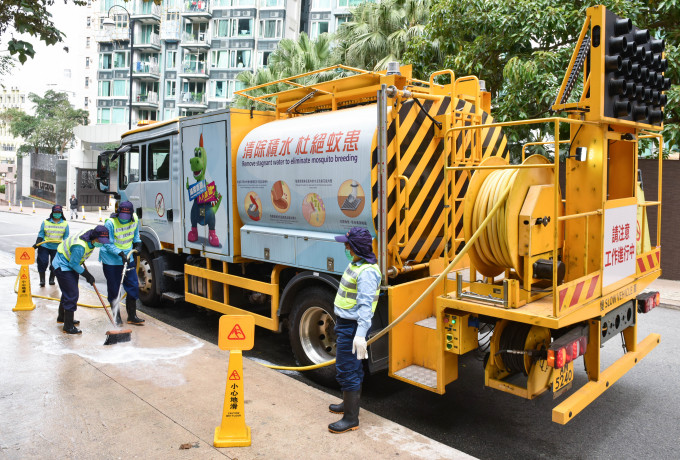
(312, 333)
(147, 280)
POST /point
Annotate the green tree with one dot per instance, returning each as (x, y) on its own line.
(521, 48)
(380, 32)
(51, 129)
(28, 17)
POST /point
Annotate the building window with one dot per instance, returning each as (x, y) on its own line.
(171, 59)
(242, 27)
(120, 88)
(263, 59)
(219, 89)
(89, 21)
(104, 116)
(170, 88)
(221, 28)
(240, 58)
(87, 42)
(87, 101)
(104, 88)
(272, 4)
(321, 5)
(87, 62)
(118, 115)
(350, 3)
(318, 28)
(105, 61)
(120, 60)
(271, 28)
(87, 82)
(219, 59)
(339, 21)
(169, 114)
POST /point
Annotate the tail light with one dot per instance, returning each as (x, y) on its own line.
(648, 300)
(560, 353)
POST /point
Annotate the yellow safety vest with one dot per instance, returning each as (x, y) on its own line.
(123, 234)
(74, 240)
(346, 298)
(54, 231)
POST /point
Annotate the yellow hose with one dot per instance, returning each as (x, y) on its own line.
(492, 212)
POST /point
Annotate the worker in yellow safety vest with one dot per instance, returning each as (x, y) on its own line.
(53, 228)
(355, 304)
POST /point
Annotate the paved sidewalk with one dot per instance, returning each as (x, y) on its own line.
(66, 397)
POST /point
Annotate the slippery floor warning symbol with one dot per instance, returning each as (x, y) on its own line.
(236, 333)
(25, 256)
(234, 375)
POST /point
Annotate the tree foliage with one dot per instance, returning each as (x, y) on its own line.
(521, 48)
(28, 17)
(51, 129)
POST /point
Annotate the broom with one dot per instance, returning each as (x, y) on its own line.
(117, 336)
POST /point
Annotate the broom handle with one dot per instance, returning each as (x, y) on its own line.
(101, 300)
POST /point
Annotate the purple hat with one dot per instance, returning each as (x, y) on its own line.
(101, 233)
(56, 208)
(361, 242)
(125, 210)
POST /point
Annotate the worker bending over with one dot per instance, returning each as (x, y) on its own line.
(53, 228)
(355, 304)
(124, 230)
(71, 253)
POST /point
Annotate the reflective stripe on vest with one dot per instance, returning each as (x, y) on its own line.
(346, 298)
(54, 231)
(74, 240)
(123, 234)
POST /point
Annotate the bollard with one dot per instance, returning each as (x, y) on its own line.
(33, 202)
(10, 205)
(24, 257)
(237, 333)
(21, 204)
(82, 209)
(100, 213)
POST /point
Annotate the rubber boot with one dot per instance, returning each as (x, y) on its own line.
(69, 327)
(42, 279)
(350, 418)
(192, 235)
(52, 277)
(213, 239)
(60, 317)
(337, 408)
(131, 307)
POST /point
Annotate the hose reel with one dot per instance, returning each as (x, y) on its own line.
(523, 228)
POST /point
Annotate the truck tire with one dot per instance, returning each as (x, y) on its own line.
(147, 280)
(312, 333)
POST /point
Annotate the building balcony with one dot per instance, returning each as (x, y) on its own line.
(118, 33)
(170, 30)
(151, 44)
(147, 12)
(196, 10)
(193, 100)
(146, 71)
(148, 100)
(192, 70)
(195, 42)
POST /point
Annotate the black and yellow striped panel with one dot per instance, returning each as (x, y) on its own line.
(417, 233)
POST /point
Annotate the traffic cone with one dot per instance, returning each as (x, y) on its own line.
(82, 209)
(24, 298)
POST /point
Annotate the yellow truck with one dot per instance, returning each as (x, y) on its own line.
(239, 209)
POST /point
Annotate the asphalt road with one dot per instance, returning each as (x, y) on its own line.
(636, 418)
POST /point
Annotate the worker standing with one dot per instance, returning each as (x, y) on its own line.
(74, 206)
(53, 228)
(71, 253)
(123, 227)
(355, 304)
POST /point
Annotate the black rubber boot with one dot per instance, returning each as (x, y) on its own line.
(69, 327)
(42, 279)
(60, 317)
(337, 408)
(131, 307)
(350, 419)
(51, 277)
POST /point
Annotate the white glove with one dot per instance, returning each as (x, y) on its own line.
(359, 347)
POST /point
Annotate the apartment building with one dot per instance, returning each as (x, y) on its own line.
(325, 16)
(185, 54)
(10, 98)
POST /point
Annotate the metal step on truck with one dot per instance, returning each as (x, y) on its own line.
(239, 209)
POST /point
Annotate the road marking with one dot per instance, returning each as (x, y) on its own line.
(19, 234)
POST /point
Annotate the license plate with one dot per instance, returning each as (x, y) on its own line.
(562, 377)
